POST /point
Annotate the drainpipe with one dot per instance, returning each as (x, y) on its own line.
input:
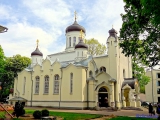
(31, 89)
(16, 88)
(87, 89)
(60, 89)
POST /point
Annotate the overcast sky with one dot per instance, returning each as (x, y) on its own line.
(46, 20)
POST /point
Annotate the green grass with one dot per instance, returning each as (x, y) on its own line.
(131, 118)
(80, 116)
(69, 116)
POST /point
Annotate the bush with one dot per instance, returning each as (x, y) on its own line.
(37, 114)
(45, 113)
(18, 109)
(23, 111)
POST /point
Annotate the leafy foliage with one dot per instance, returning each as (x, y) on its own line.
(139, 73)
(37, 114)
(45, 113)
(2, 60)
(19, 109)
(10, 67)
(140, 31)
(95, 48)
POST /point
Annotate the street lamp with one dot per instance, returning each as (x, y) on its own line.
(3, 29)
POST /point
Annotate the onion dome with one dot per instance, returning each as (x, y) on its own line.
(37, 51)
(75, 26)
(113, 32)
(81, 44)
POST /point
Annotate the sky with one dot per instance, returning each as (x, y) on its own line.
(46, 20)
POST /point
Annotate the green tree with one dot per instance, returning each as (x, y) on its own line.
(94, 47)
(13, 65)
(17, 63)
(2, 60)
(139, 73)
(140, 30)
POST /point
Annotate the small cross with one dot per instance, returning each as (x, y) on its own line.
(75, 15)
(37, 42)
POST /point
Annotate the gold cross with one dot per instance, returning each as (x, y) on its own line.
(37, 42)
(75, 15)
(112, 26)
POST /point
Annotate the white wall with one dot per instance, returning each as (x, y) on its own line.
(64, 56)
(72, 34)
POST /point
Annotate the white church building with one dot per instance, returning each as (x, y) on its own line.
(73, 79)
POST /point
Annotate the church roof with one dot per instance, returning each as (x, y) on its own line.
(36, 52)
(81, 44)
(18, 99)
(130, 81)
(75, 27)
(113, 33)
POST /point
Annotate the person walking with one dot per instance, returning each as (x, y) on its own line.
(150, 109)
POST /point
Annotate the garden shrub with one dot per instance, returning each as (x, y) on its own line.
(19, 109)
(45, 113)
(37, 114)
(23, 111)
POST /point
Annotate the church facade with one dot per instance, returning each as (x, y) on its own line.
(73, 79)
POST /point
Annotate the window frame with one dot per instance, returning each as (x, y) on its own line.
(74, 41)
(158, 75)
(71, 83)
(70, 42)
(102, 69)
(46, 83)
(24, 85)
(56, 84)
(37, 83)
(90, 73)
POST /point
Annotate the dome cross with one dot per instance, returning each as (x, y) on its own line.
(37, 42)
(75, 15)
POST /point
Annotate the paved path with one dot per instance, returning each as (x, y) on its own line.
(132, 113)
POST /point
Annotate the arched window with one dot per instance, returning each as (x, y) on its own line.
(90, 73)
(37, 85)
(56, 84)
(46, 84)
(71, 82)
(24, 85)
(69, 41)
(74, 39)
(124, 73)
(82, 53)
(102, 69)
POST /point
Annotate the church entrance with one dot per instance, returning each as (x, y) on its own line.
(103, 97)
(126, 95)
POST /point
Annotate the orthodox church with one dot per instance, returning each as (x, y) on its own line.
(73, 79)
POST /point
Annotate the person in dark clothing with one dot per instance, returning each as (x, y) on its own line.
(158, 109)
(150, 108)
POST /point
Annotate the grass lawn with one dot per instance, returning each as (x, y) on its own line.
(80, 116)
(69, 116)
